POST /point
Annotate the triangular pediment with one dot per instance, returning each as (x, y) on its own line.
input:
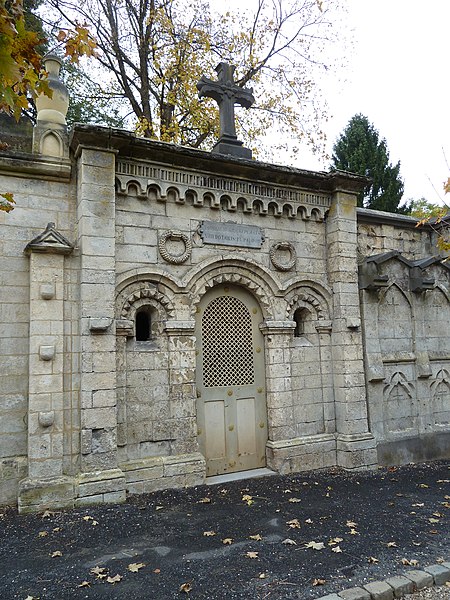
(50, 240)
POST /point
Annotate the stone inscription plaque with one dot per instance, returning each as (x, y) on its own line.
(231, 234)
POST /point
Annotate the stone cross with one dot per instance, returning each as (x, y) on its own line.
(226, 93)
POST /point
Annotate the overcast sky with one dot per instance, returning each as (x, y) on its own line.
(399, 78)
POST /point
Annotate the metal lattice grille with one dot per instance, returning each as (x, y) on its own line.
(227, 343)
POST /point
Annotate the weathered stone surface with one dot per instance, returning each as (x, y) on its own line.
(379, 590)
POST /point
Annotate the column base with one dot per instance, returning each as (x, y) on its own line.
(302, 454)
(37, 495)
(356, 452)
(101, 487)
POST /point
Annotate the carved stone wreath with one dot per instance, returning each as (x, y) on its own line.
(172, 258)
(283, 266)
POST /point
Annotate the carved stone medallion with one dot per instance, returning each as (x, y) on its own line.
(280, 261)
(175, 236)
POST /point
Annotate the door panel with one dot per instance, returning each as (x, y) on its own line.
(231, 406)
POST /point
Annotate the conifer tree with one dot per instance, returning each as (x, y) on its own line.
(360, 150)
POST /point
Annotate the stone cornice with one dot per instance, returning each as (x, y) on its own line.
(129, 146)
(35, 166)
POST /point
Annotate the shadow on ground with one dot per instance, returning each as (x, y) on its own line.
(241, 540)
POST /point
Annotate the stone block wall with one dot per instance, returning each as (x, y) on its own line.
(43, 192)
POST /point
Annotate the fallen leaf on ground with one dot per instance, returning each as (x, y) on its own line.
(319, 582)
(47, 513)
(423, 485)
(43, 533)
(186, 587)
(248, 499)
(418, 504)
(351, 524)
(252, 555)
(56, 529)
(262, 575)
(353, 532)
(289, 542)
(256, 537)
(431, 520)
(159, 507)
(409, 563)
(438, 514)
(134, 567)
(56, 553)
(373, 560)
(287, 491)
(204, 500)
(336, 549)
(335, 541)
(88, 518)
(417, 543)
(391, 544)
(227, 541)
(309, 521)
(98, 570)
(84, 584)
(294, 500)
(157, 571)
(114, 579)
(294, 524)
(315, 545)
(209, 533)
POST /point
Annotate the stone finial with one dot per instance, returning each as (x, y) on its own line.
(226, 93)
(50, 136)
(54, 109)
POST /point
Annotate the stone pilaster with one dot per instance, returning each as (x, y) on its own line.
(100, 479)
(46, 485)
(355, 444)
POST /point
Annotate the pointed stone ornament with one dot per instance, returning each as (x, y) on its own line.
(50, 137)
(50, 241)
(226, 93)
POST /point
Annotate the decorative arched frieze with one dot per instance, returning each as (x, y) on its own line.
(306, 296)
(239, 272)
(142, 293)
(175, 259)
(148, 181)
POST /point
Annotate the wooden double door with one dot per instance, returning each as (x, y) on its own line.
(230, 378)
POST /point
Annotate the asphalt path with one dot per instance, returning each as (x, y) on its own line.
(280, 537)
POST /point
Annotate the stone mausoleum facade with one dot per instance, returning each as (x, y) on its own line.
(170, 314)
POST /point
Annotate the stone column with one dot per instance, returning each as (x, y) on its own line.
(187, 466)
(355, 444)
(100, 479)
(279, 397)
(46, 485)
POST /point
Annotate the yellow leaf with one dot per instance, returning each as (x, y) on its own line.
(256, 537)
(252, 555)
(56, 553)
(227, 541)
(84, 584)
(114, 579)
(134, 567)
(209, 533)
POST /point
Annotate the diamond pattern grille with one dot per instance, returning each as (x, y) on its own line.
(227, 343)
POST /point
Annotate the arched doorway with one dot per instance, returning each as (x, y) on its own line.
(230, 378)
